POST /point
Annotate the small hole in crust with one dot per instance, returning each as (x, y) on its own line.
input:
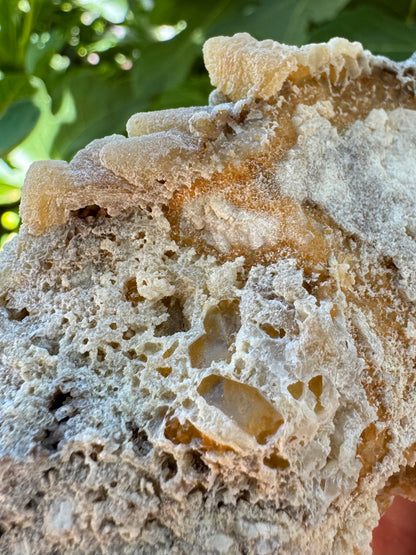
(128, 334)
(164, 371)
(58, 400)
(17, 315)
(131, 292)
(92, 212)
(197, 463)
(169, 467)
(272, 331)
(176, 321)
(276, 462)
(151, 348)
(140, 440)
(98, 495)
(316, 386)
(221, 324)
(169, 352)
(187, 403)
(179, 433)
(243, 404)
(295, 389)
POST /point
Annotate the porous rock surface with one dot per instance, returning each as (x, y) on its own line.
(208, 331)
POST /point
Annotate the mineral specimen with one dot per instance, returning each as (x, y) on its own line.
(208, 328)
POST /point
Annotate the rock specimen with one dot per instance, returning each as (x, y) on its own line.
(208, 334)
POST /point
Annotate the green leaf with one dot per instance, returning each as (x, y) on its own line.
(102, 107)
(14, 86)
(16, 124)
(38, 144)
(192, 92)
(10, 19)
(164, 65)
(286, 21)
(399, 8)
(196, 14)
(323, 10)
(16, 23)
(378, 31)
(112, 10)
(9, 194)
(38, 55)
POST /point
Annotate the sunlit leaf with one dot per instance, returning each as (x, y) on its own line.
(38, 144)
(112, 10)
(9, 194)
(194, 13)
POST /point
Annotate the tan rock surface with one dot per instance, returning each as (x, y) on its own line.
(208, 327)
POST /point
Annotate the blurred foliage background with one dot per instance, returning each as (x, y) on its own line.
(75, 70)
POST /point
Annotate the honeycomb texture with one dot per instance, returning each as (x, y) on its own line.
(207, 329)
